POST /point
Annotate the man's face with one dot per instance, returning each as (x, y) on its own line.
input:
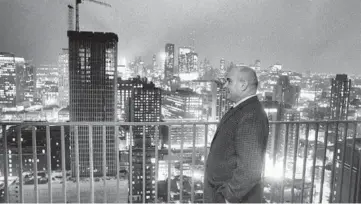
(233, 85)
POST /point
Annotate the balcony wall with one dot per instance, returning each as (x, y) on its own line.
(54, 162)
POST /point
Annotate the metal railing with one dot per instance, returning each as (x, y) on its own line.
(164, 161)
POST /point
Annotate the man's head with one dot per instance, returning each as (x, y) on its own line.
(241, 82)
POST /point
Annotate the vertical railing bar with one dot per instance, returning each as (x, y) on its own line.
(144, 165)
(193, 162)
(6, 166)
(285, 147)
(205, 148)
(358, 186)
(304, 162)
(63, 167)
(48, 156)
(35, 165)
(77, 171)
(20, 157)
(333, 164)
(117, 162)
(323, 163)
(181, 165)
(274, 157)
(352, 162)
(314, 161)
(130, 164)
(343, 159)
(295, 161)
(91, 164)
(104, 162)
(156, 163)
(169, 163)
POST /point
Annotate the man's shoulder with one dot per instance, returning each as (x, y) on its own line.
(253, 110)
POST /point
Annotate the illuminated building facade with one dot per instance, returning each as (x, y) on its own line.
(144, 105)
(192, 62)
(92, 73)
(222, 68)
(8, 79)
(286, 93)
(183, 104)
(340, 97)
(28, 83)
(223, 104)
(169, 63)
(64, 78)
(183, 59)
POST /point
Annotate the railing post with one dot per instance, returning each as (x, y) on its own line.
(20, 157)
(130, 164)
(48, 156)
(63, 167)
(295, 161)
(285, 148)
(323, 163)
(169, 163)
(77, 171)
(156, 163)
(305, 161)
(352, 162)
(144, 166)
(91, 164)
(35, 165)
(6, 165)
(314, 161)
(334, 164)
(117, 162)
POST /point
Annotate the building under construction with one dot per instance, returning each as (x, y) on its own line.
(92, 84)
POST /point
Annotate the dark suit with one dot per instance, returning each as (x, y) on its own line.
(234, 166)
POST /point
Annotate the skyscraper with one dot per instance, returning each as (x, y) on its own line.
(64, 78)
(28, 82)
(144, 105)
(8, 63)
(222, 68)
(340, 97)
(169, 63)
(182, 59)
(285, 93)
(93, 74)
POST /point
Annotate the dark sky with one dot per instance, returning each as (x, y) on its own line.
(321, 35)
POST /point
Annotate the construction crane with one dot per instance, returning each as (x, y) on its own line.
(77, 2)
(70, 17)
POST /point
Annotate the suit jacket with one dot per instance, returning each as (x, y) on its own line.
(234, 167)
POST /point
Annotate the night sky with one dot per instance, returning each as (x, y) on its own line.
(321, 35)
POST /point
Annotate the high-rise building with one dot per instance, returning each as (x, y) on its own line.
(28, 83)
(182, 59)
(144, 105)
(340, 97)
(192, 62)
(92, 83)
(169, 63)
(8, 64)
(183, 104)
(222, 104)
(63, 78)
(222, 68)
(284, 92)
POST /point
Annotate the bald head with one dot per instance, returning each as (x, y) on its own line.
(241, 82)
(247, 74)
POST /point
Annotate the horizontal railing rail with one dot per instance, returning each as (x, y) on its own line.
(165, 161)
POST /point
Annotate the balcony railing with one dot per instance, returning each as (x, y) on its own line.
(115, 162)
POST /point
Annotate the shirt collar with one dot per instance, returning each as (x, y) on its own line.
(244, 99)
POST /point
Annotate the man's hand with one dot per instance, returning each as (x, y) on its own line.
(226, 201)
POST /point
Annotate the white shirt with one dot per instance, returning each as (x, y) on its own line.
(239, 102)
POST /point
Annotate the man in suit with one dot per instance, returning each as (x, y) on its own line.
(234, 166)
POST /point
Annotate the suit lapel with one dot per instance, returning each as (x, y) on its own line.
(230, 113)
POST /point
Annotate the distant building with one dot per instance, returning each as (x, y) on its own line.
(182, 59)
(169, 64)
(183, 104)
(63, 78)
(93, 83)
(8, 80)
(222, 67)
(340, 97)
(284, 92)
(41, 147)
(144, 105)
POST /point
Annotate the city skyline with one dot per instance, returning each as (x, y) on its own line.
(307, 35)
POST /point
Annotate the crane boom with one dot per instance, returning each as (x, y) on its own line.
(77, 2)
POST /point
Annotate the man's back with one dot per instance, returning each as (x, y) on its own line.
(236, 158)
